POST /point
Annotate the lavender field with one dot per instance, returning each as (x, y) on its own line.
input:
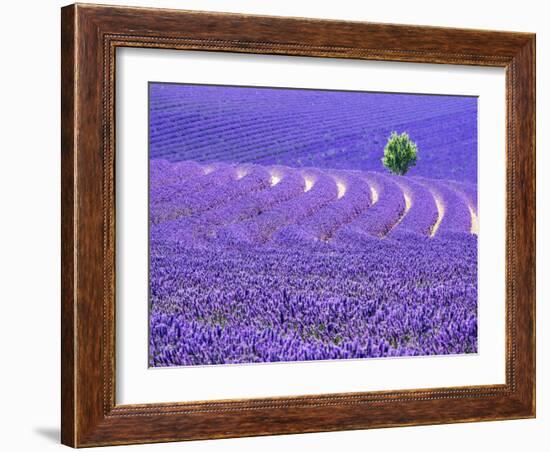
(276, 234)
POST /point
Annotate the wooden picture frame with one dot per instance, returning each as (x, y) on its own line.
(90, 35)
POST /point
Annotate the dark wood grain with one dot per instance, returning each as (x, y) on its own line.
(90, 36)
(68, 71)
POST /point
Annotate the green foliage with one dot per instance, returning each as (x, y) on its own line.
(399, 153)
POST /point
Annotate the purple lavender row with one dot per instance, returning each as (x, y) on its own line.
(162, 202)
(468, 190)
(158, 167)
(421, 216)
(378, 220)
(286, 184)
(354, 197)
(164, 176)
(454, 214)
(248, 305)
(252, 179)
(320, 190)
(214, 175)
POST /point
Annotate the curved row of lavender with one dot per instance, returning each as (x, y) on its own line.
(276, 235)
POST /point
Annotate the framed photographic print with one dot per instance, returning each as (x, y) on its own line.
(281, 225)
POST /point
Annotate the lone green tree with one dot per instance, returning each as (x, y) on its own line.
(399, 153)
